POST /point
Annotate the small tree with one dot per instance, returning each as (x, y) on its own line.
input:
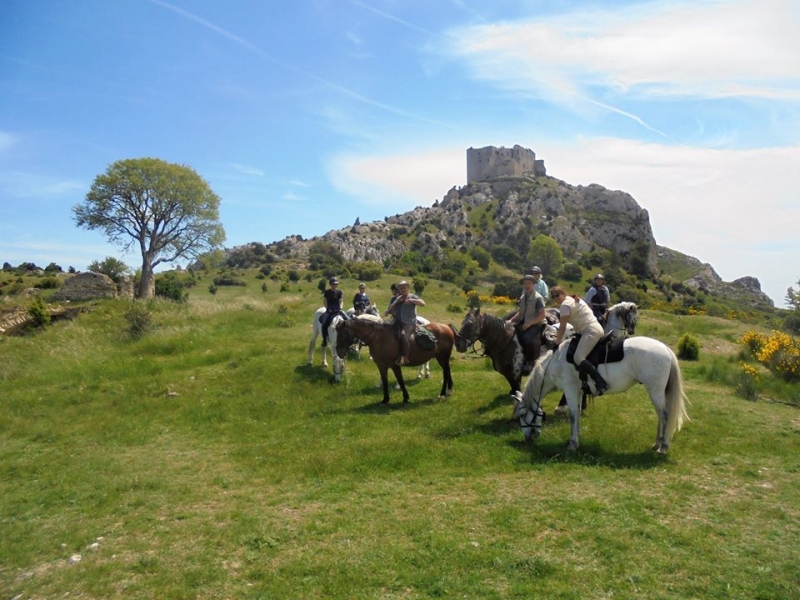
(546, 253)
(419, 285)
(166, 209)
(113, 267)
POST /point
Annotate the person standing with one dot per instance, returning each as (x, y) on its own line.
(598, 297)
(404, 308)
(529, 320)
(577, 313)
(334, 299)
(361, 299)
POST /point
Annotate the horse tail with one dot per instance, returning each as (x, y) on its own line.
(676, 399)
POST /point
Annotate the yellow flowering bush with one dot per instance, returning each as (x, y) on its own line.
(747, 382)
(778, 352)
(474, 299)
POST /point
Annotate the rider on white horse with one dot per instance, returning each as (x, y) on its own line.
(361, 299)
(334, 298)
(578, 314)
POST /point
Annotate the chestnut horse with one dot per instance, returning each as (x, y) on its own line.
(384, 348)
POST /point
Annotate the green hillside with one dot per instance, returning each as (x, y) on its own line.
(205, 460)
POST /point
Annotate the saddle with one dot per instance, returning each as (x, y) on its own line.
(609, 349)
(425, 338)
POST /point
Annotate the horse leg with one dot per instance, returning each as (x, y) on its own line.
(311, 348)
(658, 398)
(428, 370)
(447, 376)
(398, 373)
(385, 383)
(573, 401)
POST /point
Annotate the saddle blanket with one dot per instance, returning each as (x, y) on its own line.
(425, 338)
(609, 349)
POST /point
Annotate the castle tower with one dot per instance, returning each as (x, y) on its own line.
(491, 162)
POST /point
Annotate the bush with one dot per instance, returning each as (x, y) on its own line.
(792, 322)
(419, 285)
(747, 382)
(571, 271)
(212, 289)
(284, 287)
(48, 283)
(39, 313)
(781, 355)
(266, 270)
(293, 275)
(264, 287)
(139, 318)
(228, 280)
(454, 308)
(688, 348)
(507, 286)
(169, 286)
(473, 300)
(367, 271)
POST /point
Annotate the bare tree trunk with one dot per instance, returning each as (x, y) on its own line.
(144, 282)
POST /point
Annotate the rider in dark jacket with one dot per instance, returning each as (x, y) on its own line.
(361, 299)
(598, 297)
(334, 298)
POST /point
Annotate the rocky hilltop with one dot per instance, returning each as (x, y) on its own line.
(502, 214)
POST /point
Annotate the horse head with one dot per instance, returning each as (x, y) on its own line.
(530, 419)
(470, 330)
(630, 317)
(344, 338)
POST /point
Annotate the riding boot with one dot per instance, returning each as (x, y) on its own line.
(405, 348)
(587, 368)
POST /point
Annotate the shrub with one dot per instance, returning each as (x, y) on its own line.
(747, 382)
(781, 355)
(48, 283)
(454, 308)
(482, 257)
(39, 313)
(284, 287)
(293, 275)
(571, 271)
(264, 287)
(473, 300)
(688, 348)
(228, 280)
(322, 285)
(368, 270)
(419, 285)
(212, 289)
(139, 318)
(507, 286)
(169, 286)
(266, 270)
(792, 322)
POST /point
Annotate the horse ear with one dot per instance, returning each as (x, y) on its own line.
(478, 310)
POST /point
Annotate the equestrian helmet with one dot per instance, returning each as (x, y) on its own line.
(333, 281)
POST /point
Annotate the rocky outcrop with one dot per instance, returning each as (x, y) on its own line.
(87, 286)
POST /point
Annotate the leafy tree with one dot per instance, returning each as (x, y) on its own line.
(113, 267)
(638, 262)
(53, 268)
(793, 298)
(481, 256)
(545, 252)
(165, 209)
(792, 322)
(571, 271)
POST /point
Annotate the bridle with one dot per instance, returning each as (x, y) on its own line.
(536, 419)
(471, 342)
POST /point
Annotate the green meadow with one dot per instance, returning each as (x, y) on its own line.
(204, 459)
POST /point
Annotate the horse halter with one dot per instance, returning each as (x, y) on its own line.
(533, 420)
(478, 320)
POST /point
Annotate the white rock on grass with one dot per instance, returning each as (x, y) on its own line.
(74, 559)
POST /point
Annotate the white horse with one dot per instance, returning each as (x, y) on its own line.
(646, 361)
(316, 330)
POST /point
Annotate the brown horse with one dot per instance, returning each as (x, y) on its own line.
(384, 348)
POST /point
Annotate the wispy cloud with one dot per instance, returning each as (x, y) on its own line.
(396, 19)
(290, 196)
(19, 184)
(248, 170)
(718, 49)
(299, 183)
(244, 43)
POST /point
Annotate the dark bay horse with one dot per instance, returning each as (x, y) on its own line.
(500, 343)
(384, 348)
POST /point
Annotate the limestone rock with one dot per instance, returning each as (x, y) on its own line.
(87, 286)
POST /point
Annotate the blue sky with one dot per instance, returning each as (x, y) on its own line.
(304, 115)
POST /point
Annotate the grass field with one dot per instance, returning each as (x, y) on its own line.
(205, 460)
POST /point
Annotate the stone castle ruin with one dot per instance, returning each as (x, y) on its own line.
(485, 164)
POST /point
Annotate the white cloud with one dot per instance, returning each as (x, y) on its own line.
(711, 49)
(248, 170)
(400, 181)
(291, 196)
(736, 209)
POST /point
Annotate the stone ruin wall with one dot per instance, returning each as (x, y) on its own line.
(484, 164)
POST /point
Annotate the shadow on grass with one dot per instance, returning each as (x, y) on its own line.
(503, 400)
(314, 374)
(589, 455)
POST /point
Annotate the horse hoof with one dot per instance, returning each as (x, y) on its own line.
(449, 393)
(310, 363)
(427, 375)
(572, 447)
